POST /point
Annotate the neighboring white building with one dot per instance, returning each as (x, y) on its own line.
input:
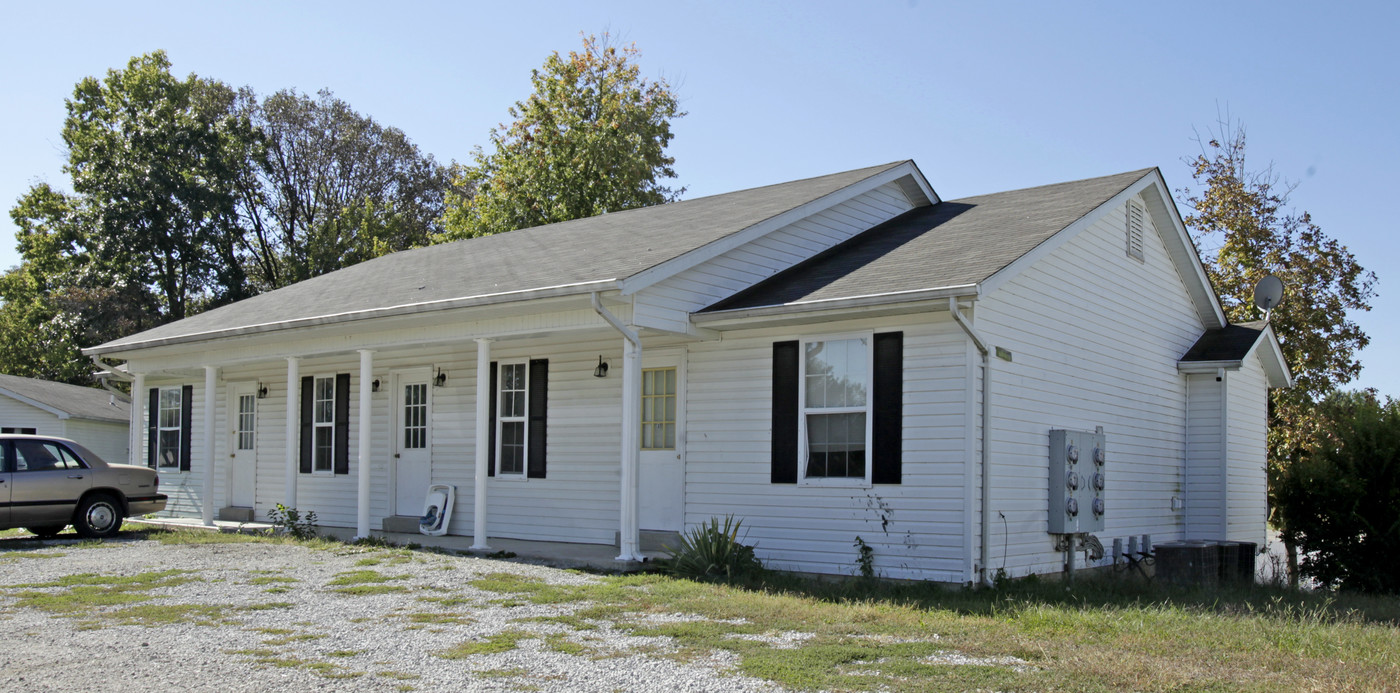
(828, 358)
(98, 419)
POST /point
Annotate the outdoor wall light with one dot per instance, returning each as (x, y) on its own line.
(374, 386)
(440, 380)
(262, 391)
(602, 370)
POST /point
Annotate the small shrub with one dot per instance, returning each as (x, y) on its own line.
(291, 522)
(866, 559)
(712, 551)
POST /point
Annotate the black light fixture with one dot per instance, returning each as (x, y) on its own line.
(374, 386)
(602, 370)
(440, 380)
(262, 391)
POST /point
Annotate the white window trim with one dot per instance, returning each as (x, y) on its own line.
(330, 470)
(523, 474)
(178, 427)
(828, 481)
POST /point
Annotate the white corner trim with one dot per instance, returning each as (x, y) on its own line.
(714, 249)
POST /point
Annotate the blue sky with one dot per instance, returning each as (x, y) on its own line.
(983, 96)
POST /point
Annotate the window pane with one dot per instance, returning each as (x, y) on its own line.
(324, 450)
(512, 447)
(836, 373)
(836, 445)
(169, 453)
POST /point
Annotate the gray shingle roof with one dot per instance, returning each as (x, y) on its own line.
(78, 402)
(606, 247)
(1229, 343)
(953, 243)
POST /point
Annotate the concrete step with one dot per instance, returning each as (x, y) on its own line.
(401, 523)
(236, 514)
(652, 539)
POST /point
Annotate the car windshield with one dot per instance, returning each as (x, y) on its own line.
(91, 458)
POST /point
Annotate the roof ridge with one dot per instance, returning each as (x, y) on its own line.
(1137, 173)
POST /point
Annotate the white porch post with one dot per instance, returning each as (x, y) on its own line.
(293, 429)
(362, 471)
(139, 403)
(211, 374)
(631, 446)
(483, 441)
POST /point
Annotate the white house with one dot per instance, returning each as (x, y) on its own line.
(98, 419)
(840, 356)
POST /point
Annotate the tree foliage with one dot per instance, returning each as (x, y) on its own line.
(1242, 223)
(327, 174)
(591, 139)
(1342, 498)
(188, 194)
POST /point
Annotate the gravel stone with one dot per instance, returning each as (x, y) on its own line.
(370, 634)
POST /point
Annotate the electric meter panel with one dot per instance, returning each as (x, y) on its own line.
(1078, 475)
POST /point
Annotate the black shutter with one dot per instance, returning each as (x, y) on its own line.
(785, 374)
(153, 427)
(888, 405)
(342, 423)
(186, 418)
(539, 389)
(491, 425)
(308, 394)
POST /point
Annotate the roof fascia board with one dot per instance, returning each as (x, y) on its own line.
(1272, 357)
(1208, 366)
(714, 249)
(837, 304)
(35, 403)
(1183, 252)
(392, 311)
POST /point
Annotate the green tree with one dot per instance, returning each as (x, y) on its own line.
(324, 174)
(155, 159)
(1245, 229)
(591, 139)
(1342, 498)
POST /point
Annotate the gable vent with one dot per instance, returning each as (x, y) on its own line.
(1135, 222)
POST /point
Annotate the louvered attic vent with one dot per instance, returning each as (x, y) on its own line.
(1135, 223)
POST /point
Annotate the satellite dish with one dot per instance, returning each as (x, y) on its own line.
(1267, 294)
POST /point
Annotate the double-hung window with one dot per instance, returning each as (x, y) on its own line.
(511, 418)
(323, 425)
(168, 439)
(835, 416)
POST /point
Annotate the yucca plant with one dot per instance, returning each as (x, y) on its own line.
(712, 551)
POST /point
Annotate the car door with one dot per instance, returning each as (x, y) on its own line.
(6, 464)
(46, 484)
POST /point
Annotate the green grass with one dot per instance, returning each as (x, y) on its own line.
(491, 644)
(83, 592)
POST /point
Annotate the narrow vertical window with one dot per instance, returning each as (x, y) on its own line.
(168, 435)
(323, 425)
(659, 409)
(835, 408)
(511, 417)
(247, 413)
(415, 416)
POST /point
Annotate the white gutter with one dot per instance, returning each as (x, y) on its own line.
(348, 316)
(982, 348)
(630, 530)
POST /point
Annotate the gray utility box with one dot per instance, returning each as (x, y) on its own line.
(1077, 481)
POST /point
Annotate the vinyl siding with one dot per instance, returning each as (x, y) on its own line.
(916, 528)
(108, 440)
(1247, 397)
(667, 304)
(1205, 496)
(20, 415)
(1095, 337)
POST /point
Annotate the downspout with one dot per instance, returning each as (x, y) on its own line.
(629, 534)
(986, 461)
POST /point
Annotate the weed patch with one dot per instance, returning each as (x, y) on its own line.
(491, 644)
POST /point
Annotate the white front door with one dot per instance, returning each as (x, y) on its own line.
(412, 464)
(243, 457)
(661, 477)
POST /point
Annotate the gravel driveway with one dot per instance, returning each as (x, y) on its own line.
(259, 617)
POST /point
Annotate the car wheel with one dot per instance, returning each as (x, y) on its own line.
(45, 532)
(98, 516)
